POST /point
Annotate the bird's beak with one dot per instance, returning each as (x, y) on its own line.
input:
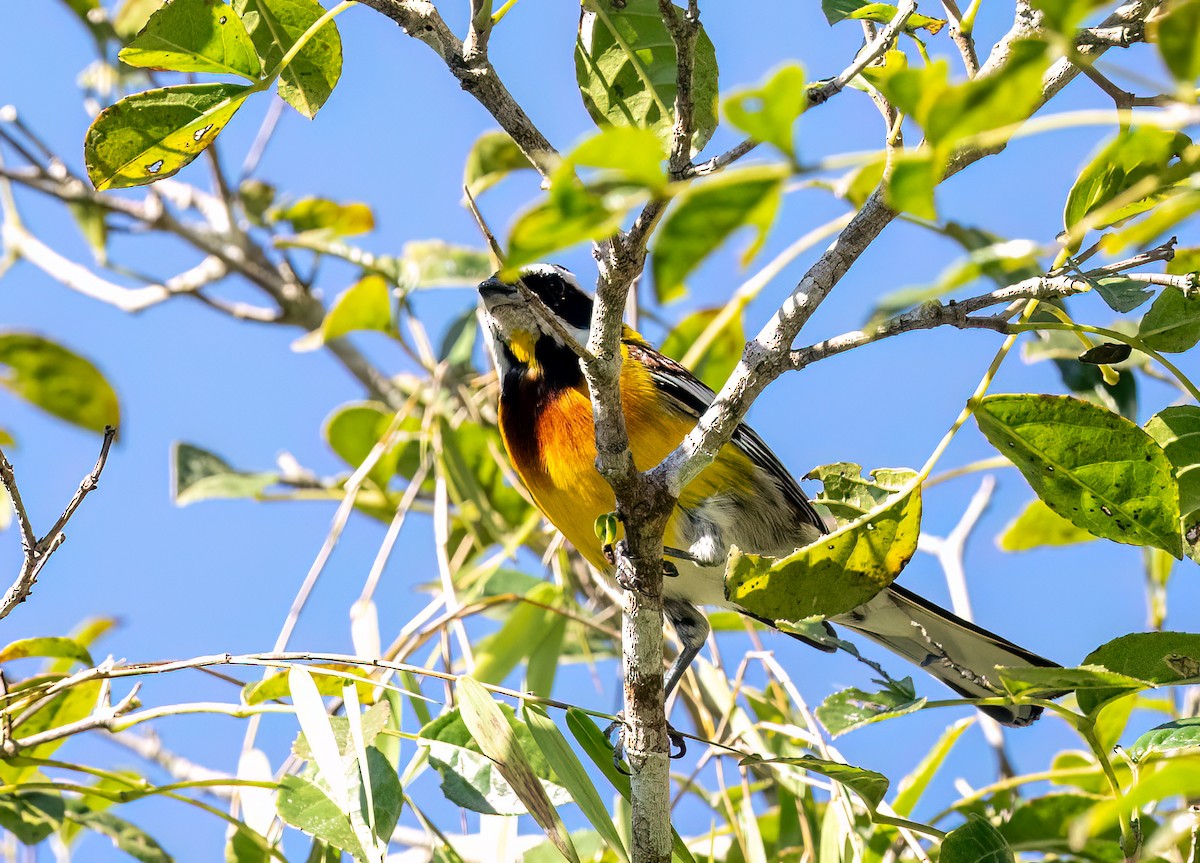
(493, 289)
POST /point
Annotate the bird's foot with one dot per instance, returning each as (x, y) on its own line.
(615, 735)
(617, 554)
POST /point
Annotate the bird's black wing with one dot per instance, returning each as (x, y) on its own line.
(693, 396)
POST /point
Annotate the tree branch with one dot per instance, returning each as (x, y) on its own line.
(37, 552)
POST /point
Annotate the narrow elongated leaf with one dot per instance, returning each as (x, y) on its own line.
(195, 36)
(1173, 323)
(1157, 657)
(58, 381)
(1177, 430)
(493, 156)
(310, 712)
(329, 680)
(977, 841)
(374, 720)
(625, 66)
(1177, 777)
(497, 741)
(1037, 526)
(589, 738)
(520, 637)
(706, 214)
(154, 134)
(275, 26)
(913, 786)
(1091, 466)
(197, 474)
(836, 573)
(867, 784)
(573, 777)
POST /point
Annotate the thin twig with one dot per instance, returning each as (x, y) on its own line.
(38, 552)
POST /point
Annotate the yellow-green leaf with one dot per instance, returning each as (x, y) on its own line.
(58, 381)
(195, 36)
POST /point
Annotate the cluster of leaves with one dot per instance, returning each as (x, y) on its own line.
(1095, 471)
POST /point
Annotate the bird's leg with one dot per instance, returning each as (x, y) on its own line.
(692, 628)
(617, 554)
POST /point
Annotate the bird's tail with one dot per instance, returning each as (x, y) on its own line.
(957, 652)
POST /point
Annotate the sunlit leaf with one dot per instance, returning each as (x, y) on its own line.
(908, 187)
(977, 841)
(568, 216)
(156, 133)
(197, 474)
(314, 722)
(53, 647)
(1157, 657)
(275, 685)
(521, 636)
(425, 263)
(365, 305)
(625, 67)
(275, 26)
(493, 156)
(706, 214)
(31, 816)
(768, 113)
(852, 708)
(867, 784)
(498, 742)
(70, 706)
(624, 155)
(58, 381)
(195, 36)
(306, 806)
(1178, 737)
(1177, 430)
(1037, 526)
(1173, 28)
(1173, 323)
(1091, 466)
(836, 573)
(373, 721)
(132, 16)
(1031, 682)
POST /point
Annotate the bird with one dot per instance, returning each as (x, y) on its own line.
(746, 497)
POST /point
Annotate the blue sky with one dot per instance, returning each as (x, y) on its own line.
(220, 576)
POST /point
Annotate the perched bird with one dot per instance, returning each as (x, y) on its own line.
(746, 497)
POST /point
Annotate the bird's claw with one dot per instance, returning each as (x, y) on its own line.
(617, 554)
(615, 735)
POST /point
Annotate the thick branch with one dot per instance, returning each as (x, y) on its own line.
(37, 552)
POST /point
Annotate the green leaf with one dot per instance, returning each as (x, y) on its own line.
(365, 305)
(705, 214)
(625, 155)
(867, 784)
(913, 786)
(473, 781)
(1178, 777)
(426, 263)
(54, 647)
(125, 836)
(1174, 30)
(353, 429)
(836, 573)
(1031, 682)
(1064, 16)
(275, 685)
(573, 777)
(496, 739)
(1173, 323)
(1177, 430)
(625, 67)
(1082, 380)
(852, 708)
(198, 474)
(1037, 526)
(1178, 737)
(883, 13)
(374, 720)
(768, 113)
(58, 381)
(326, 218)
(274, 26)
(306, 806)
(1123, 178)
(717, 363)
(568, 216)
(908, 187)
(493, 156)
(70, 706)
(132, 16)
(1177, 204)
(155, 134)
(31, 816)
(1157, 657)
(387, 795)
(1041, 824)
(195, 36)
(92, 220)
(597, 748)
(977, 841)
(476, 483)
(1122, 294)
(522, 635)
(1091, 466)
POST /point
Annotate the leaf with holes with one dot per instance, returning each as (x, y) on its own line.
(625, 67)
(836, 573)
(768, 113)
(1094, 468)
(60, 382)
(275, 26)
(195, 36)
(155, 134)
(1177, 430)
